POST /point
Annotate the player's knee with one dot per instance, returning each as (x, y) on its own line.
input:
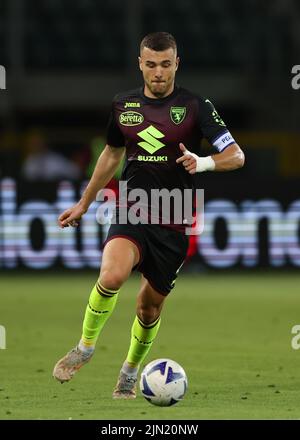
(148, 314)
(112, 279)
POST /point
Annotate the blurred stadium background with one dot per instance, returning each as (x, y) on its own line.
(64, 61)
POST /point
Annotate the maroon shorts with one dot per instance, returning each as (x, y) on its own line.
(162, 252)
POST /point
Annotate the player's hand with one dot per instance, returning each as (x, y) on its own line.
(188, 160)
(72, 216)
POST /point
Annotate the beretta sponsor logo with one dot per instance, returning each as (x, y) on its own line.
(131, 118)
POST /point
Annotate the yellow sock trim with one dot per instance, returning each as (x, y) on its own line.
(104, 291)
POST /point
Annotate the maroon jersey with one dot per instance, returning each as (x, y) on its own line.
(151, 130)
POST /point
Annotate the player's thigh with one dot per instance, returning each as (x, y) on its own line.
(149, 302)
(120, 255)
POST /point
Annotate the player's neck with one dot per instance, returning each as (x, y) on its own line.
(149, 94)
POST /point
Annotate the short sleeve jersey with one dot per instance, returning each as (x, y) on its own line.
(151, 130)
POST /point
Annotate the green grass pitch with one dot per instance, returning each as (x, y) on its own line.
(230, 332)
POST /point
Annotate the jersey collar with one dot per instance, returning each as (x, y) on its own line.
(159, 100)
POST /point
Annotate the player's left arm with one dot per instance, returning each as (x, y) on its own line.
(229, 159)
(229, 155)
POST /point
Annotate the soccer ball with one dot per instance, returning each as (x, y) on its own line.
(163, 382)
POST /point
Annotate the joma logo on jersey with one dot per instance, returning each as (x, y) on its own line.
(177, 114)
(151, 138)
(131, 118)
(132, 104)
(153, 158)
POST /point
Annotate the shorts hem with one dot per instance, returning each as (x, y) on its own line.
(163, 293)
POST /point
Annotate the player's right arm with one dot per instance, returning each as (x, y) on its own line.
(105, 168)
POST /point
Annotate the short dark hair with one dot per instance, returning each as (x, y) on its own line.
(159, 41)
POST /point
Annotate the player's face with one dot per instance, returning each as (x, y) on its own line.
(159, 69)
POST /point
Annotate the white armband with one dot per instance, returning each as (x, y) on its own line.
(223, 141)
(202, 163)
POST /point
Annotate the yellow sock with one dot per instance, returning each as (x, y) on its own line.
(101, 304)
(142, 337)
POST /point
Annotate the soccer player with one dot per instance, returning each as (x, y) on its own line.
(159, 128)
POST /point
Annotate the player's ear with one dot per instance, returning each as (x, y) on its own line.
(140, 63)
(177, 62)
